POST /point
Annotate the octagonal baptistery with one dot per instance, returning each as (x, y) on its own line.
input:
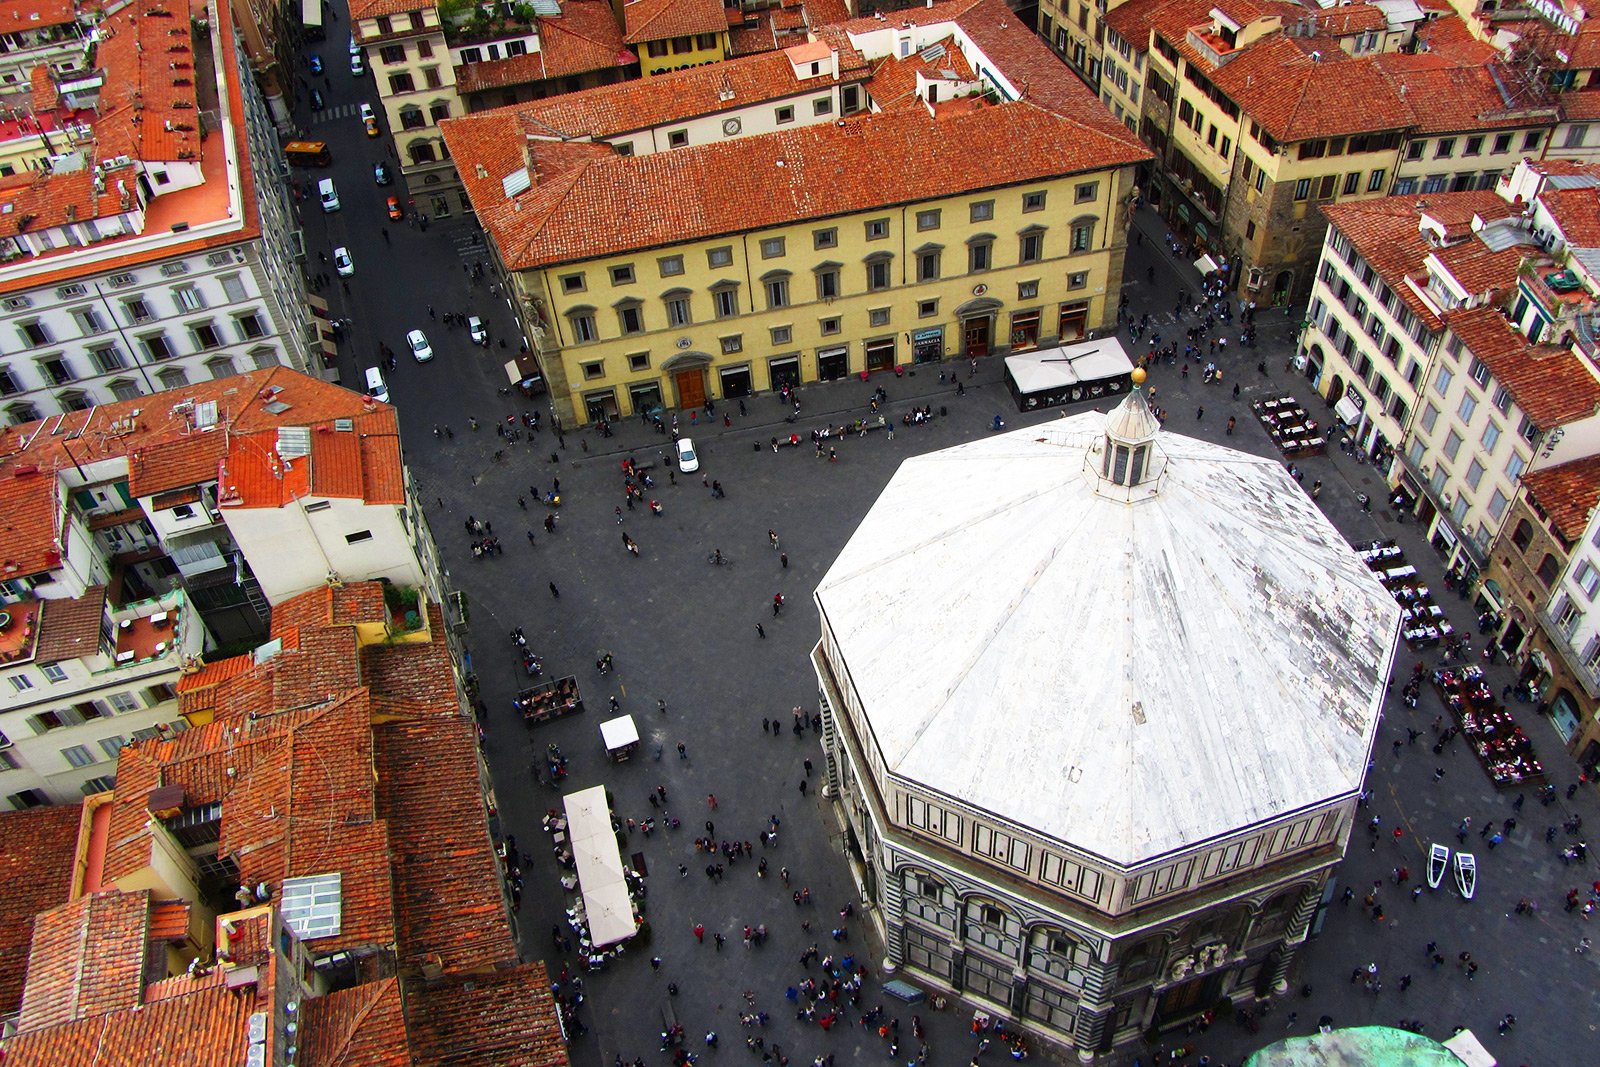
(1098, 705)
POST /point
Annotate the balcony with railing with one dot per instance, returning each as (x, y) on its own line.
(1572, 658)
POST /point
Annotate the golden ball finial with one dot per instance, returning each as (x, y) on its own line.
(1138, 376)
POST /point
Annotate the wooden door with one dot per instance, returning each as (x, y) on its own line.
(975, 337)
(691, 388)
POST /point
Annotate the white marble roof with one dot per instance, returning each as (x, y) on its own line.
(1129, 678)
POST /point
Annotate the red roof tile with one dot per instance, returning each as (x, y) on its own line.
(442, 846)
(67, 979)
(31, 518)
(808, 173)
(148, 107)
(1386, 232)
(206, 1028)
(1551, 385)
(71, 628)
(657, 20)
(364, 1026)
(585, 37)
(417, 677)
(166, 451)
(17, 16)
(503, 1019)
(1567, 492)
(36, 849)
(1446, 95)
(1576, 212)
(608, 110)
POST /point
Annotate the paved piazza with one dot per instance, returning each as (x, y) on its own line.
(686, 632)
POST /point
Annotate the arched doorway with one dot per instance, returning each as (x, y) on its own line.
(688, 374)
(977, 324)
(1281, 286)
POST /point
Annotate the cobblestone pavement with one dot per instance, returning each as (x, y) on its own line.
(686, 632)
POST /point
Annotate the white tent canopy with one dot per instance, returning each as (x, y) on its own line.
(1469, 1050)
(594, 848)
(1051, 369)
(619, 732)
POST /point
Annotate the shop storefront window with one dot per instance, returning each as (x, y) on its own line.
(1024, 330)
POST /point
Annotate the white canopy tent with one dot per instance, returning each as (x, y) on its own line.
(594, 848)
(1066, 374)
(1469, 1050)
(618, 734)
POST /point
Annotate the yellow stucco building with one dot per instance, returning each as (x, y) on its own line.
(941, 217)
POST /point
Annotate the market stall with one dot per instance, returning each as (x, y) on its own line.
(552, 700)
(1068, 374)
(621, 737)
(606, 906)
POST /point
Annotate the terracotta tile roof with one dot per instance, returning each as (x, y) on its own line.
(1134, 20)
(71, 628)
(449, 904)
(503, 1019)
(1445, 95)
(812, 172)
(825, 12)
(17, 16)
(357, 602)
(36, 848)
(1449, 35)
(169, 920)
(1568, 493)
(1480, 269)
(1295, 97)
(165, 451)
(363, 1026)
(371, 9)
(1583, 51)
(657, 20)
(415, 678)
(66, 979)
(585, 37)
(1346, 20)
(1385, 231)
(337, 467)
(1577, 212)
(1458, 211)
(148, 107)
(894, 81)
(1552, 385)
(208, 1027)
(214, 673)
(609, 110)
(1580, 106)
(31, 519)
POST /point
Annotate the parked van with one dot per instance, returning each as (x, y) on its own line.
(328, 195)
(376, 388)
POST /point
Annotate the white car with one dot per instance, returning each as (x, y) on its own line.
(342, 262)
(688, 459)
(420, 349)
(328, 195)
(480, 333)
(358, 65)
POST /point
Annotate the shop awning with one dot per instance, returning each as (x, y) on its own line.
(522, 368)
(1205, 264)
(1348, 411)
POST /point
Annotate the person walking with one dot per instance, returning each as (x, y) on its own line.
(554, 591)
(772, 538)
(783, 559)
(761, 632)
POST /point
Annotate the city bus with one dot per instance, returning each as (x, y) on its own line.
(311, 19)
(307, 153)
